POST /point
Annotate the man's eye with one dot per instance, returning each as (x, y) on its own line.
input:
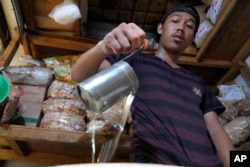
(190, 26)
(175, 21)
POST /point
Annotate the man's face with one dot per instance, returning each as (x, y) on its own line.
(177, 32)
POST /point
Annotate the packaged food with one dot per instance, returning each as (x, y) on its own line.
(217, 7)
(69, 106)
(230, 113)
(63, 121)
(30, 75)
(62, 90)
(238, 129)
(62, 66)
(243, 107)
(10, 109)
(231, 92)
(204, 29)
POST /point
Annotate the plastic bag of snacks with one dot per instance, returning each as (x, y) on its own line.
(62, 66)
(62, 90)
(238, 129)
(63, 121)
(29, 75)
(64, 106)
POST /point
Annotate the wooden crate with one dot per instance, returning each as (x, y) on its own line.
(45, 145)
(35, 13)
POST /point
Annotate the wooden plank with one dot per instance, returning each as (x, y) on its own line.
(18, 146)
(233, 35)
(230, 75)
(40, 134)
(61, 43)
(47, 24)
(9, 52)
(36, 11)
(243, 52)
(217, 27)
(46, 44)
(28, 13)
(43, 158)
(186, 60)
(3, 142)
(46, 145)
(237, 64)
(245, 71)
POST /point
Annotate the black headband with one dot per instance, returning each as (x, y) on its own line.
(181, 8)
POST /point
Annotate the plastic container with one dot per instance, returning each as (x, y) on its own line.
(4, 88)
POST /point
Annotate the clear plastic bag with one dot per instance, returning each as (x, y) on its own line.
(30, 61)
(63, 121)
(29, 75)
(66, 12)
(69, 106)
(62, 90)
(238, 129)
(62, 65)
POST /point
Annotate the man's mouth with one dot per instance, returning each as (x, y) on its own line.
(178, 37)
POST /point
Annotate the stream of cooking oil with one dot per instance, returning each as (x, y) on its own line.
(93, 145)
(109, 147)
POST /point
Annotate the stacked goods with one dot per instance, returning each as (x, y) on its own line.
(204, 29)
(236, 118)
(63, 109)
(28, 88)
(49, 99)
(215, 9)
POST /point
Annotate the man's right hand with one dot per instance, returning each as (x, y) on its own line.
(125, 38)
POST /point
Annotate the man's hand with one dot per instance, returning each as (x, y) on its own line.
(123, 39)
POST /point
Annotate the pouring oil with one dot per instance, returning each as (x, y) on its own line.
(93, 145)
(109, 148)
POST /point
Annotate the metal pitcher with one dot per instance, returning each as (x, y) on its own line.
(107, 87)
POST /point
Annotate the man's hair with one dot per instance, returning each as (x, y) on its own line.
(180, 8)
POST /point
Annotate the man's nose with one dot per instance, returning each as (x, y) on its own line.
(180, 27)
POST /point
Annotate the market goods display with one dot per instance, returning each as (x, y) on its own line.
(29, 75)
(63, 109)
(63, 121)
(236, 118)
(238, 129)
(62, 90)
(70, 106)
(61, 65)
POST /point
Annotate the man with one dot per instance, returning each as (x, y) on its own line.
(175, 115)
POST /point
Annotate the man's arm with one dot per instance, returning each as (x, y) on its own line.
(123, 39)
(219, 136)
(89, 63)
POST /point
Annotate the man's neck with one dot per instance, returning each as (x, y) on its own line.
(169, 57)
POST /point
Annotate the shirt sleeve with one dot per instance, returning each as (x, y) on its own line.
(211, 102)
(115, 58)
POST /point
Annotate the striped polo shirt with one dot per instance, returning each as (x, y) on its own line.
(167, 112)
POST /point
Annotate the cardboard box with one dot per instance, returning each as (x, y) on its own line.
(31, 100)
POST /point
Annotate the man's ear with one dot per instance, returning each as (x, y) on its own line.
(159, 28)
